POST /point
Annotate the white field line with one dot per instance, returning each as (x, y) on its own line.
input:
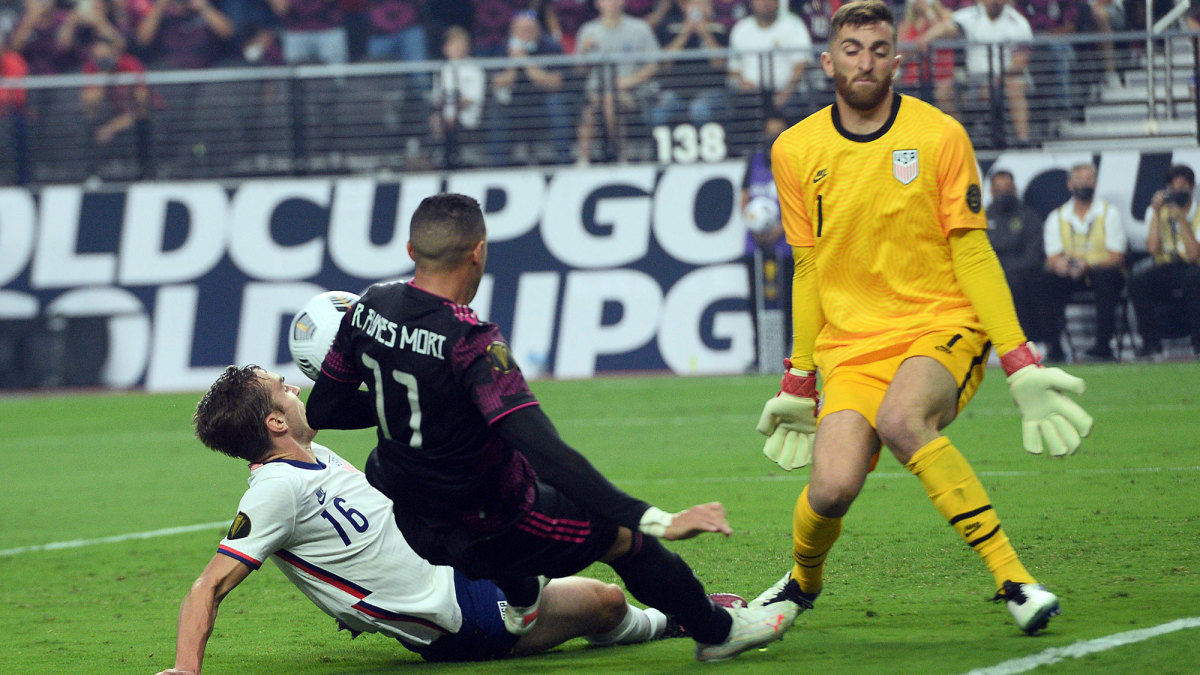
(1085, 647)
(77, 543)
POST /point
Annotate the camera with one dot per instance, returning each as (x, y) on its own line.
(1178, 197)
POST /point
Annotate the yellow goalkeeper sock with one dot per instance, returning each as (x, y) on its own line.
(812, 537)
(959, 496)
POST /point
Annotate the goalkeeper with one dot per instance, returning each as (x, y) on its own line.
(897, 300)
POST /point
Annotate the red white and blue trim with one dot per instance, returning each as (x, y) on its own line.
(354, 590)
(240, 557)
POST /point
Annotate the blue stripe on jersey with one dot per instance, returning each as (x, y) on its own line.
(240, 557)
(324, 575)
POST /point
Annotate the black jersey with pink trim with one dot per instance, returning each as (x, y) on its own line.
(440, 379)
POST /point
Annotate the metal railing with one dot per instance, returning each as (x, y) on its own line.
(381, 117)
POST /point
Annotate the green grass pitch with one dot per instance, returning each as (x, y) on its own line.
(1114, 530)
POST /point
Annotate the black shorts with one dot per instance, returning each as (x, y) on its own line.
(558, 538)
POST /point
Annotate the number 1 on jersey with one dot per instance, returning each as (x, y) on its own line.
(409, 382)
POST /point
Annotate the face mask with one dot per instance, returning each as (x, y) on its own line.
(516, 43)
(106, 64)
(1005, 202)
(1084, 194)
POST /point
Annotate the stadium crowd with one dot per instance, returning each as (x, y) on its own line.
(579, 115)
(769, 64)
(1084, 253)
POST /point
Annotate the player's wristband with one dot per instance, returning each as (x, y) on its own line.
(1016, 359)
(655, 522)
(798, 382)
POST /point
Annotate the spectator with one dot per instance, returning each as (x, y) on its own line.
(1085, 250)
(529, 91)
(180, 34)
(489, 29)
(652, 12)
(1001, 53)
(1109, 16)
(35, 38)
(396, 31)
(926, 21)
(729, 12)
(125, 103)
(313, 30)
(816, 15)
(625, 85)
(768, 257)
(697, 85)
(12, 116)
(248, 16)
(564, 18)
(1056, 18)
(457, 94)
(1174, 228)
(116, 117)
(91, 19)
(1135, 12)
(12, 67)
(770, 50)
(1015, 231)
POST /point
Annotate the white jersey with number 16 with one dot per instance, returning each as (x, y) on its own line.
(334, 537)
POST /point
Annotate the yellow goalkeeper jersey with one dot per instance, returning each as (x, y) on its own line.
(877, 211)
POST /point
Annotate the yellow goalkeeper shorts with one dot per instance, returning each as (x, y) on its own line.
(860, 385)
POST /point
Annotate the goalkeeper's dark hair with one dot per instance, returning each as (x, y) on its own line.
(444, 229)
(231, 416)
(861, 13)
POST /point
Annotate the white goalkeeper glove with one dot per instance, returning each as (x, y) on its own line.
(1049, 420)
(789, 421)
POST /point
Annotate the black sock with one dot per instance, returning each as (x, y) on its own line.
(661, 579)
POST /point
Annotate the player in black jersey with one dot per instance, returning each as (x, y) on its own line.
(479, 475)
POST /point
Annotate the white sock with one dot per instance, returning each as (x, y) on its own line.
(639, 625)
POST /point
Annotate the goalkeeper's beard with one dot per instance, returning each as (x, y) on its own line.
(862, 98)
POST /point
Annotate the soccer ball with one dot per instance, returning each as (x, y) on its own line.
(314, 327)
(761, 214)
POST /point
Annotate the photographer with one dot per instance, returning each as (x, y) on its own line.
(35, 38)
(1172, 242)
(1085, 250)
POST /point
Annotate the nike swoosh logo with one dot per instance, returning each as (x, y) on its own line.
(820, 175)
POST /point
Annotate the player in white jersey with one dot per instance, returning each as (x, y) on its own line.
(334, 536)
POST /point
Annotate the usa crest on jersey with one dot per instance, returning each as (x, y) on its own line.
(905, 166)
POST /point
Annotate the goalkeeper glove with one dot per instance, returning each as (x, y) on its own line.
(789, 421)
(1049, 419)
